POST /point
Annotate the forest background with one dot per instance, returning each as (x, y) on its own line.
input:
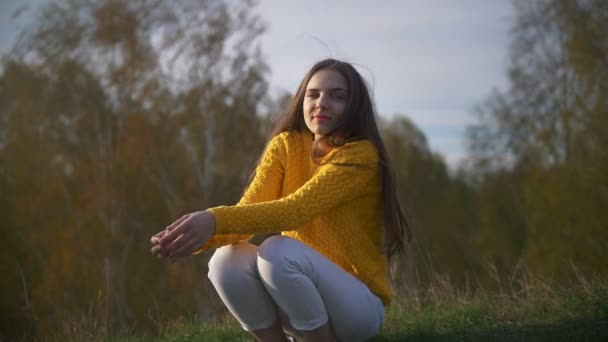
(118, 117)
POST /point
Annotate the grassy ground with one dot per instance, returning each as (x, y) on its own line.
(529, 311)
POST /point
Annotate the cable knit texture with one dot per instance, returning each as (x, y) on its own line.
(332, 206)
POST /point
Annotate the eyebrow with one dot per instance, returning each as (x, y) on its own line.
(331, 89)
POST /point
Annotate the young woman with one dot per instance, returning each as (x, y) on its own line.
(325, 183)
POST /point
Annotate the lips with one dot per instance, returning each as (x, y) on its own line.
(321, 117)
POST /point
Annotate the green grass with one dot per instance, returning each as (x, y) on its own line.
(529, 311)
(535, 313)
(500, 319)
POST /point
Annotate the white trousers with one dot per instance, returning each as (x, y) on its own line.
(284, 279)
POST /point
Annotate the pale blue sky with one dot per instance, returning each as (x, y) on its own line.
(432, 60)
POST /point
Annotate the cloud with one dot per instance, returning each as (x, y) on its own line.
(431, 60)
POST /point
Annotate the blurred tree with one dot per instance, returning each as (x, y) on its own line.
(441, 209)
(545, 136)
(117, 117)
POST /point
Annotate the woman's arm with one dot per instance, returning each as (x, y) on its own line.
(351, 172)
(265, 186)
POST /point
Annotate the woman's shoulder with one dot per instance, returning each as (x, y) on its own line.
(282, 136)
(359, 152)
(362, 145)
(290, 138)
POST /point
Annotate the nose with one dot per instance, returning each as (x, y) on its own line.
(322, 101)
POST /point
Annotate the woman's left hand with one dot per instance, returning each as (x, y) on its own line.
(186, 235)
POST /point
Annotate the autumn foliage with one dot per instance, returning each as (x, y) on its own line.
(118, 117)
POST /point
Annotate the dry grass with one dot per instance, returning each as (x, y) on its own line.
(523, 307)
(520, 307)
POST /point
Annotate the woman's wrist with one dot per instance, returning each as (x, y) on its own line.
(210, 220)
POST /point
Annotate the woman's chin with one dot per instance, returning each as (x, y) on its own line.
(320, 130)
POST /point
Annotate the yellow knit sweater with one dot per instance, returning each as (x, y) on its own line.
(333, 206)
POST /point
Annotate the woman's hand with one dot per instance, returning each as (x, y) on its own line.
(184, 236)
(155, 240)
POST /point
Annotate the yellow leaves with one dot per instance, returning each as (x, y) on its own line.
(95, 97)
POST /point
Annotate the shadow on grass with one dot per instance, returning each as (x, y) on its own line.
(580, 330)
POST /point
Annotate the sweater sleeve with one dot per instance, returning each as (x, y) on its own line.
(346, 173)
(265, 186)
(268, 179)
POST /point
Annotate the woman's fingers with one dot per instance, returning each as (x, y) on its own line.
(155, 240)
(178, 228)
(186, 249)
(155, 249)
(176, 223)
(177, 243)
(183, 236)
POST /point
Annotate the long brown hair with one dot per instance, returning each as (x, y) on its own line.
(358, 123)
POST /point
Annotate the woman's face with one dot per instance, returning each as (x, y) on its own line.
(324, 101)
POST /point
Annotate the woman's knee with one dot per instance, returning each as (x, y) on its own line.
(276, 249)
(278, 257)
(229, 263)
